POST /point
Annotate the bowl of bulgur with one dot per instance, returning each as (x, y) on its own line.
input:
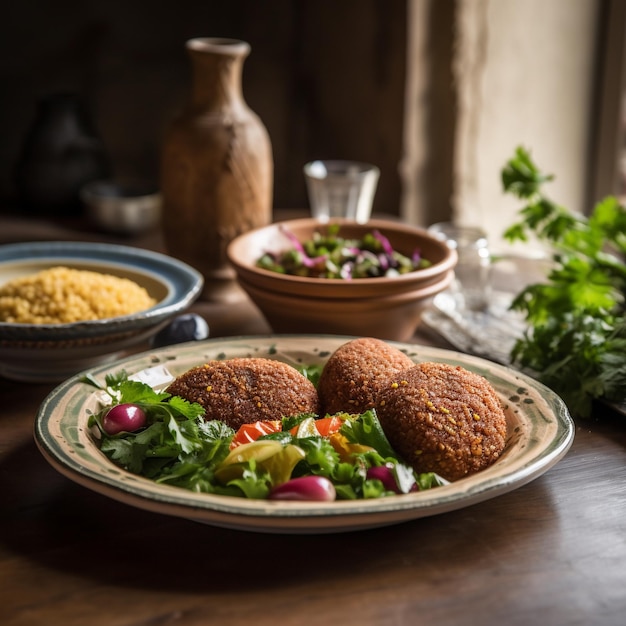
(66, 306)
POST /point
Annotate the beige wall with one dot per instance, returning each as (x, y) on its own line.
(522, 72)
(525, 75)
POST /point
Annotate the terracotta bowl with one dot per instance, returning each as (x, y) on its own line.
(387, 308)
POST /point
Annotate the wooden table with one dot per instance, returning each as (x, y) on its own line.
(550, 553)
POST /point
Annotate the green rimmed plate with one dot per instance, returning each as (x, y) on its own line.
(540, 432)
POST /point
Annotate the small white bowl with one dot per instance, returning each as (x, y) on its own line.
(53, 352)
(122, 207)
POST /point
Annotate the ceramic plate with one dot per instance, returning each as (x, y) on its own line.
(540, 431)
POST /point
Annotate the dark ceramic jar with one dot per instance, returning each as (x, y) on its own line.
(61, 153)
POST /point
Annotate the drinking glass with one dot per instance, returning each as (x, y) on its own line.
(341, 189)
(471, 288)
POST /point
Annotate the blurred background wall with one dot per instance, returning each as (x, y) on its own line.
(438, 93)
(326, 77)
(528, 73)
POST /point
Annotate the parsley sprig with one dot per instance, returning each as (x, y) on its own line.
(576, 337)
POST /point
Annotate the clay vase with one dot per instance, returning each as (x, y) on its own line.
(62, 152)
(217, 167)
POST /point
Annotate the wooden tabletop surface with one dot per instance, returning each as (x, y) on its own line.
(552, 552)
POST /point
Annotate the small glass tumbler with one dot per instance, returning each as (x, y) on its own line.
(341, 189)
(471, 288)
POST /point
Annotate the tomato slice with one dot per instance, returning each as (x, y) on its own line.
(248, 433)
(325, 426)
(328, 425)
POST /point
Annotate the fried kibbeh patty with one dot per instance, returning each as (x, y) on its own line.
(246, 390)
(443, 419)
(356, 372)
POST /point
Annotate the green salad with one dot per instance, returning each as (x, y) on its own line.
(331, 256)
(303, 457)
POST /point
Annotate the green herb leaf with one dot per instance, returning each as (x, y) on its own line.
(577, 328)
(321, 458)
(366, 430)
(521, 177)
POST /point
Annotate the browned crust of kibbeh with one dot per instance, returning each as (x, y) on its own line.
(443, 419)
(356, 372)
(245, 390)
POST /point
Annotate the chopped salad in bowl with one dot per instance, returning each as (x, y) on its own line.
(328, 255)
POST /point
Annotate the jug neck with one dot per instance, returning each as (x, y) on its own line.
(217, 66)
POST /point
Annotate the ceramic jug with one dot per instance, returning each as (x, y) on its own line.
(62, 151)
(216, 167)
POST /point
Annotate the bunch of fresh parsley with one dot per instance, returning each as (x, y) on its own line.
(576, 337)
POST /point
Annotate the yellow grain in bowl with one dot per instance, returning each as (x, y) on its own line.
(61, 295)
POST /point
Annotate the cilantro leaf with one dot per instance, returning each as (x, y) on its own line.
(134, 392)
(184, 408)
(321, 458)
(254, 483)
(130, 452)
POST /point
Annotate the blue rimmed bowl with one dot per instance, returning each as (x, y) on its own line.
(53, 352)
